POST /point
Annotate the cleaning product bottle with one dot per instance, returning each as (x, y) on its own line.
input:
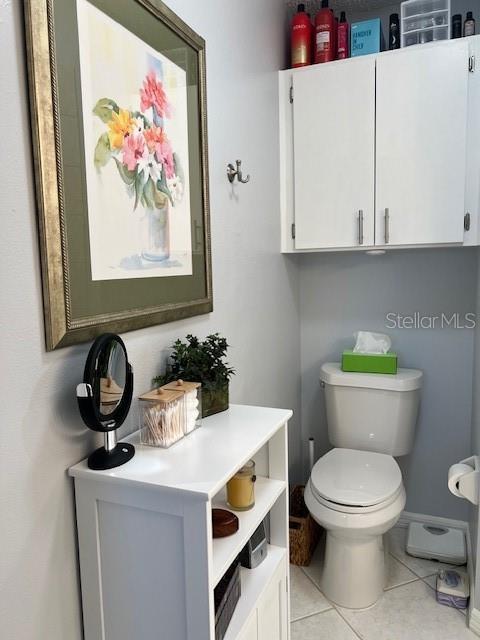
(394, 32)
(301, 38)
(457, 26)
(324, 34)
(343, 38)
(469, 25)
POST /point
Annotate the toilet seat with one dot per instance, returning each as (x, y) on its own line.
(345, 508)
(354, 481)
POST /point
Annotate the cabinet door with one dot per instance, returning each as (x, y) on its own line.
(272, 618)
(421, 144)
(334, 145)
(250, 630)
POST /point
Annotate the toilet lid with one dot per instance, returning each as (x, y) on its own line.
(356, 478)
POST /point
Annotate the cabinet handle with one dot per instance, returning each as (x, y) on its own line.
(387, 226)
(360, 226)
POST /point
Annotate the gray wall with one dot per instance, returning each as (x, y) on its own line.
(341, 293)
(474, 510)
(255, 291)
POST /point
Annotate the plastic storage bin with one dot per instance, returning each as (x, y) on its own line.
(193, 402)
(162, 417)
(424, 21)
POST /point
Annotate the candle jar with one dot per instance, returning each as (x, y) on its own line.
(162, 417)
(241, 488)
(193, 402)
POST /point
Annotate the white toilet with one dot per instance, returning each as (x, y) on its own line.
(356, 491)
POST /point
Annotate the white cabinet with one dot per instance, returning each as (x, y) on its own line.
(421, 127)
(392, 135)
(270, 617)
(148, 563)
(250, 630)
(269, 620)
(334, 129)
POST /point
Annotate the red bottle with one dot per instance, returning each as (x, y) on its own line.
(324, 34)
(343, 38)
(335, 38)
(301, 38)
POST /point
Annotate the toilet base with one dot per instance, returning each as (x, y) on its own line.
(354, 574)
(354, 571)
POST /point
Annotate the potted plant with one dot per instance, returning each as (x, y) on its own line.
(204, 362)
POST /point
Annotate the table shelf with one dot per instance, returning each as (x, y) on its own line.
(224, 550)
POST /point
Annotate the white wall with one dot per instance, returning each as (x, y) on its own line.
(341, 293)
(255, 297)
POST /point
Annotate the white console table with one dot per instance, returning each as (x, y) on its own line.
(148, 562)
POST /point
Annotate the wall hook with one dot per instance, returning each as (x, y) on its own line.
(232, 172)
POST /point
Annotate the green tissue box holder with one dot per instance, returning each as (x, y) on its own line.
(369, 362)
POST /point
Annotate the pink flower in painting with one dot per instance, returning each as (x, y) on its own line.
(153, 95)
(164, 154)
(153, 136)
(134, 150)
(158, 142)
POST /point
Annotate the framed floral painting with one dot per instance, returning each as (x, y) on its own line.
(118, 110)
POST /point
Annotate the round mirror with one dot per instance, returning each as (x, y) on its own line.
(105, 396)
(108, 377)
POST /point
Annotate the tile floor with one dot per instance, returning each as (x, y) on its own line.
(407, 611)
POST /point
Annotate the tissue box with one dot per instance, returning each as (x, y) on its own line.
(366, 37)
(369, 362)
(452, 588)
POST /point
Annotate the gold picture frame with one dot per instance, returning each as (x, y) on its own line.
(63, 325)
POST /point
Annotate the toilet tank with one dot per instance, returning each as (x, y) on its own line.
(371, 411)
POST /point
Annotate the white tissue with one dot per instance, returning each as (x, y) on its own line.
(369, 342)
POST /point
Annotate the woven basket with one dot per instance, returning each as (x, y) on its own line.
(304, 531)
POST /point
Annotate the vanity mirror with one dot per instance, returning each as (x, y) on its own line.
(104, 399)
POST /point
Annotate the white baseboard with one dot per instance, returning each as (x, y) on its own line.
(408, 517)
(404, 521)
(474, 621)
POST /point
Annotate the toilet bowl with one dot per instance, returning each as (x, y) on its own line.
(356, 496)
(355, 490)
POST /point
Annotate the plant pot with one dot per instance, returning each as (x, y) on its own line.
(214, 401)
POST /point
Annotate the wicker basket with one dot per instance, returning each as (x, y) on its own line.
(304, 531)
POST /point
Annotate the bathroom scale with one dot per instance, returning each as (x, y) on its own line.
(435, 542)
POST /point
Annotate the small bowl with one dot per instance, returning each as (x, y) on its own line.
(225, 523)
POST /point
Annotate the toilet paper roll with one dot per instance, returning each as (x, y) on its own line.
(455, 472)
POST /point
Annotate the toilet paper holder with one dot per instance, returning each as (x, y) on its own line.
(464, 478)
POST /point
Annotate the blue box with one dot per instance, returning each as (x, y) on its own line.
(366, 37)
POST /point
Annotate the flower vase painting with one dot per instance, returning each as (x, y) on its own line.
(136, 147)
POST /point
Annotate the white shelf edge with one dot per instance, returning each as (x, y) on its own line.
(387, 52)
(253, 583)
(224, 550)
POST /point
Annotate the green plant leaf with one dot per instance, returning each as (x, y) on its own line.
(104, 108)
(198, 361)
(146, 122)
(148, 198)
(126, 175)
(138, 189)
(178, 168)
(161, 199)
(162, 186)
(102, 153)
